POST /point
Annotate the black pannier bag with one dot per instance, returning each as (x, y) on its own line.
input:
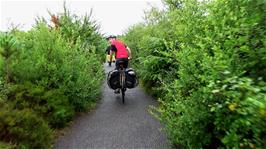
(131, 78)
(114, 76)
(113, 79)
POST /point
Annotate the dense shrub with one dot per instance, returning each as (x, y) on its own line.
(214, 53)
(24, 128)
(3, 91)
(5, 145)
(9, 46)
(53, 105)
(46, 75)
(74, 69)
(84, 31)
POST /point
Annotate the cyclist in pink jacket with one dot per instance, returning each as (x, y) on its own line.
(122, 52)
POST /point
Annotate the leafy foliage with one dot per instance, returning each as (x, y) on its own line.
(53, 105)
(4, 145)
(24, 128)
(205, 61)
(48, 74)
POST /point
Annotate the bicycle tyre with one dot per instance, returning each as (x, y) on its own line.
(123, 95)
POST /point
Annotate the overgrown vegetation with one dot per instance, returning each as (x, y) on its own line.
(47, 74)
(206, 62)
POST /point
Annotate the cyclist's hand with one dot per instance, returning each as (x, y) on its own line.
(129, 58)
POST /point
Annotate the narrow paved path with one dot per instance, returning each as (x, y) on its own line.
(114, 125)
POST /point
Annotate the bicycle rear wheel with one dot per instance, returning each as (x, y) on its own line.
(123, 94)
(123, 84)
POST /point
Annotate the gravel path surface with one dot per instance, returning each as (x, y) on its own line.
(114, 125)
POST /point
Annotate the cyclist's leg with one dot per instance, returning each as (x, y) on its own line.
(121, 61)
(125, 62)
(117, 66)
(117, 62)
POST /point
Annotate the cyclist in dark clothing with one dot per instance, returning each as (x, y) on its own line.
(107, 51)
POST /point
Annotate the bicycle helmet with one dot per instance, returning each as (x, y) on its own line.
(111, 36)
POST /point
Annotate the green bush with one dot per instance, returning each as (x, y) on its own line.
(5, 145)
(53, 105)
(24, 128)
(74, 69)
(8, 47)
(205, 61)
(83, 66)
(3, 91)
(82, 31)
(46, 75)
(245, 106)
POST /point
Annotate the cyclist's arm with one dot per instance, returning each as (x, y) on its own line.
(129, 52)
